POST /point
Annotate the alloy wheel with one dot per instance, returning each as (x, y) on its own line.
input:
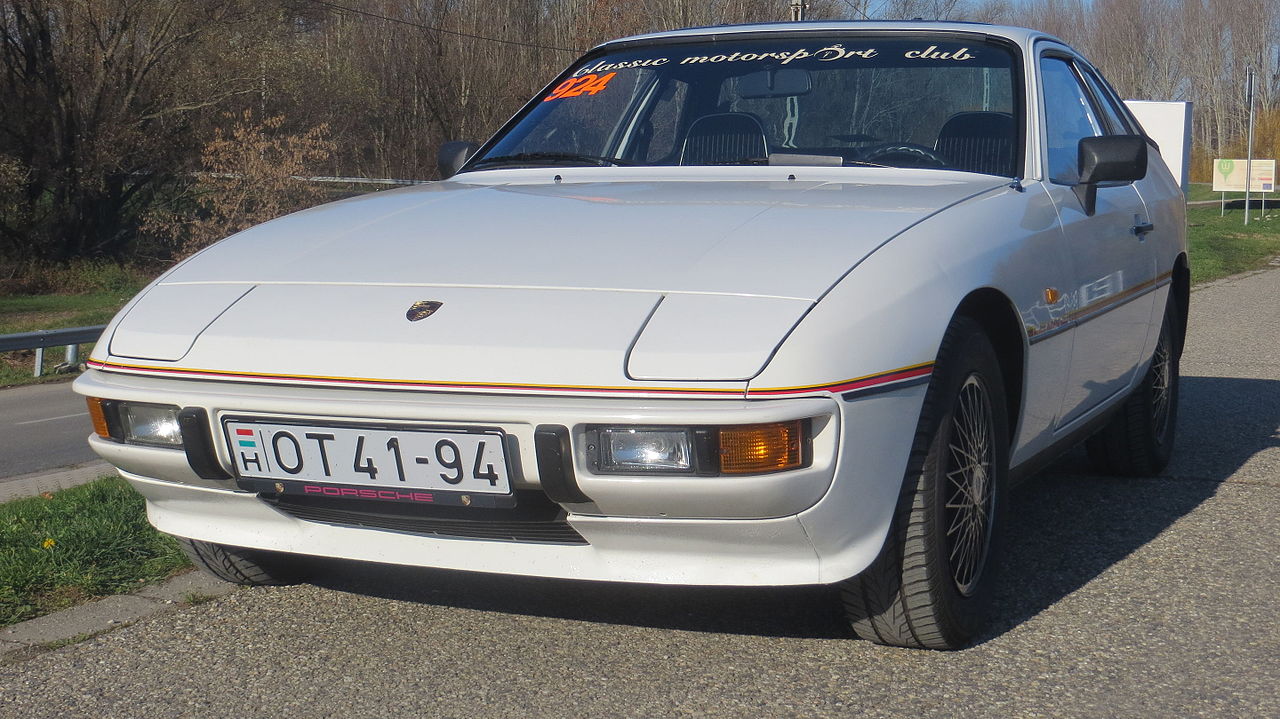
(970, 495)
(1161, 386)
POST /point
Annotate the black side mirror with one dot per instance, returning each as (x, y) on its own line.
(453, 155)
(1112, 158)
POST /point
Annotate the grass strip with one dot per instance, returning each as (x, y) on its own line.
(67, 547)
(86, 294)
(1203, 192)
(1223, 246)
(27, 313)
(18, 368)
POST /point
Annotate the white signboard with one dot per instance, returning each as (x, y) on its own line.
(1228, 176)
(1169, 124)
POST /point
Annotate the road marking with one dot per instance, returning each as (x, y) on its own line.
(50, 419)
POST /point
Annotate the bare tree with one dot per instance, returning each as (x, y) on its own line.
(95, 97)
(106, 105)
(250, 176)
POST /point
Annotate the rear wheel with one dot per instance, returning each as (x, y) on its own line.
(1138, 440)
(253, 567)
(930, 586)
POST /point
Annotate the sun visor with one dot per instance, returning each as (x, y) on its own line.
(712, 337)
(166, 323)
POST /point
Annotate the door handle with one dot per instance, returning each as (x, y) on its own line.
(1142, 228)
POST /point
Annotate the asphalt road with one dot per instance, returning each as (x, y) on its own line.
(1121, 598)
(42, 426)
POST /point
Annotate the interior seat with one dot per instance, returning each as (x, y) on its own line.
(724, 138)
(978, 142)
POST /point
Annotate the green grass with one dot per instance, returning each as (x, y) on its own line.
(27, 313)
(1222, 246)
(100, 290)
(78, 544)
(68, 641)
(18, 368)
(1203, 191)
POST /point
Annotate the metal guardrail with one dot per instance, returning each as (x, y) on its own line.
(71, 337)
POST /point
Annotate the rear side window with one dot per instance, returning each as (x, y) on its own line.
(1118, 123)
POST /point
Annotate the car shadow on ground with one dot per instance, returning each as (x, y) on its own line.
(1066, 527)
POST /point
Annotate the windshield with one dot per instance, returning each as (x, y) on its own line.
(918, 101)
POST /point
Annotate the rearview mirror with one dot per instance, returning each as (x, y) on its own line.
(781, 82)
(453, 155)
(1112, 158)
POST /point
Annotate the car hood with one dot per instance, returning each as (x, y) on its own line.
(542, 286)
(782, 239)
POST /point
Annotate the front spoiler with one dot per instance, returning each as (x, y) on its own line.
(756, 552)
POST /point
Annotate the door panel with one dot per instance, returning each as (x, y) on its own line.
(1113, 272)
(1113, 269)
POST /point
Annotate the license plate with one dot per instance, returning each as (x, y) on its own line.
(385, 463)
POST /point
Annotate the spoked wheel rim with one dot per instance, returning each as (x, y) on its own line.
(969, 485)
(1161, 387)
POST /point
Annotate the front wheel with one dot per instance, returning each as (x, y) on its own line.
(930, 586)
(253, 567)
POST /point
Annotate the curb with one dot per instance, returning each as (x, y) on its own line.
(31, 485)
(1232, 279)
(28, 639)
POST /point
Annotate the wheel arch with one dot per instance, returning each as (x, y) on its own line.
(1180, 292)
(991, 309)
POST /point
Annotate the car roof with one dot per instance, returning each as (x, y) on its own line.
(1024, 37)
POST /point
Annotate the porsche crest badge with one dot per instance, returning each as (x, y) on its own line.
(422, 310)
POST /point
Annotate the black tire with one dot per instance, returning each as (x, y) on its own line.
(930, 588)
(251, 567)
(1138, 440)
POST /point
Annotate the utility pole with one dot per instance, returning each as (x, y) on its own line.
(797, 10)
(1248, 160)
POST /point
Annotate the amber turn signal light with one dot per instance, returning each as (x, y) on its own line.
(755, 448)
(99, 417)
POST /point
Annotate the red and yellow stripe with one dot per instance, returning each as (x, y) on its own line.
(856, 383)
(924, 369)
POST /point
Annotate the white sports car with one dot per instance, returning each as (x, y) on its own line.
(754, 305)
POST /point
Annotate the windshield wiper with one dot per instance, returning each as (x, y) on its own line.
(804, 160)
(549, 158)
(739, 161)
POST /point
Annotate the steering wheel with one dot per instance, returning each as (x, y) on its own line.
(905, 154)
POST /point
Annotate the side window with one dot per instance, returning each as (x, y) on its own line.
(1068, 118)
(1115, 117)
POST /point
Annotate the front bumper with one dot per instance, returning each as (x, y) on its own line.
(819, 524)
(753, 552)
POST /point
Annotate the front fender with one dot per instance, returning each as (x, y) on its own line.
(890, 313)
